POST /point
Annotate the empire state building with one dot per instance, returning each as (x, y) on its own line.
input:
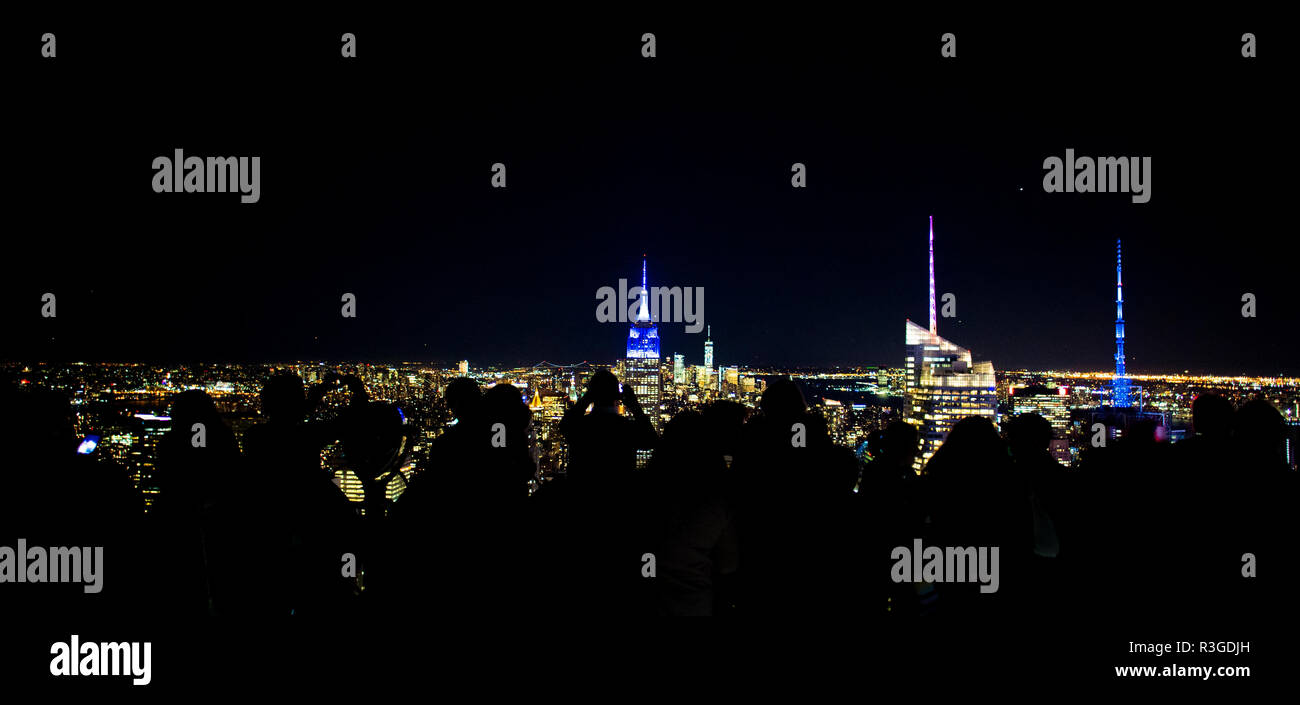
(641, 368)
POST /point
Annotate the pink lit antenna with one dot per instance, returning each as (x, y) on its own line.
(934, 319)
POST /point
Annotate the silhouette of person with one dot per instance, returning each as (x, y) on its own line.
(976, 499)
(300, 517)
(891, 514)
(53, 496)
(376, 443)
(508, 465)
(494, 519)
(469, 509)
(197, 460)
(427, 519)
(595, 558)
(603, 444)
(445, 480)
(1196, 483)
(1258, 507)
(1029, 437)
(726, 422)
(692, 534)
(1205, 453)
(795, 510)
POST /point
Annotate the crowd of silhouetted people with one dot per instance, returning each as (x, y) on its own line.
(728, 511)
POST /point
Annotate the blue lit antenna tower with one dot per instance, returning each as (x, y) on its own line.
(1121, 393)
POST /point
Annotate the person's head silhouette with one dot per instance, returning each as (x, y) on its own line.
(898, 442)
(1261, 431)
(603, 388)
(192, 406)
(971, 453)
(462, 397)
(503, 404)
(1028, 435)
(782, 399)
(1212, 416)
(376, 440)
(284, 398)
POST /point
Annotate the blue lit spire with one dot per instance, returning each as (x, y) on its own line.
(643, 335)
(1121, 392)
(643, 314)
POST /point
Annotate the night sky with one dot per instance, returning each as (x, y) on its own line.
(375, 181)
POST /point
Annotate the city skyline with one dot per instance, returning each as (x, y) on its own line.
(938, 384)
(325, 337)
(690, 344)
(112, 401)
(643, 316)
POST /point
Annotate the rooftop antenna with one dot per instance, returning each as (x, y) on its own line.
(934, 319)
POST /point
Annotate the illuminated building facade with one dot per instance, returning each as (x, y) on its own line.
(549, 450)
(1291, 445)
(729, 375)
(703, 377)
(837, 421)
(1053, 404)
(942, 383)
(708, 351)
(641, 366)
(137, 448)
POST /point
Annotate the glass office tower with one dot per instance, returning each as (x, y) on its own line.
(942, 384)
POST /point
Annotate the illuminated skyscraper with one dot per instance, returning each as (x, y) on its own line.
(139, 452)
(464, 367)
(942, 383)
(548, 448)
(708, 349)
(679, 368)
(729, 375)
(1291, 444)
(641, 368)
(1053, 404)
(1121, 391)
